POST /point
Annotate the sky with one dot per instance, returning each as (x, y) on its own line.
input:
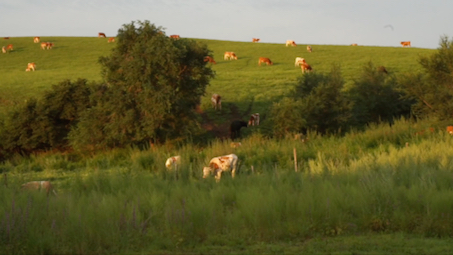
(326, 22)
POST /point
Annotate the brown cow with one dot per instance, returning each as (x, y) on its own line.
(38, 186)
(101, 35)
(450, 130)
(290, 43)
(305, 67)
(174, 36)
(406, 44)
(309, 49)
(255, 39)
(264, 60)
(382, 69)
(354, 44)
(209, 59)
(6, 38)
(230, 55)
(30, 66)
(111, 39)
(9, 47)
(36, 39)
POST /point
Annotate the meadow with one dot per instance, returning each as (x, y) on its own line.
(386, 190)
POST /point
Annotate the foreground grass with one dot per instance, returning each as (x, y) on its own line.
(386, 190)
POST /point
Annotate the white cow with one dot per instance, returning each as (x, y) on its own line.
(173, 162)
(299, 61)
(219, 164)
(290, 43)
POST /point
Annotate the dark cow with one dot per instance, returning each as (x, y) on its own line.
(382, 69)
(235, 128)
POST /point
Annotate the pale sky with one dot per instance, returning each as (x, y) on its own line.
(332, 22)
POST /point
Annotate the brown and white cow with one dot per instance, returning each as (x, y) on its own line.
(354, 44)
(450, 130)
(406, 44)
(220, 164)
(210, 60)
(46, 45)
(111, 39)
(290, 43)
(309, 49)
(10, 47)
(230, 55)
(264, 60)
(39, 186)
(174, 36)
(30, 66)
(101, 35)
(173, 163)
(216, 101)
(299, 61)
(305, 67)
(235, 144)
(254, 119)
(255, 39)
(36, 39)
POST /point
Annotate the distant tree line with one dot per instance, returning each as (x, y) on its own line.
(152, 85)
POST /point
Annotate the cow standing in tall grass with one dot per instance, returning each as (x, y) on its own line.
(235, 128)
(39, 186)
(220, 164)
(216, 101)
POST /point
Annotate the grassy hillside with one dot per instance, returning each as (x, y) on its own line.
(239, 82)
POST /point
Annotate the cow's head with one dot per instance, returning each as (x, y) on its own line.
(206, 171)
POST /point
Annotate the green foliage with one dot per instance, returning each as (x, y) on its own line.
(376, 98)
(45, 124)
(433, 87)
(154, 84)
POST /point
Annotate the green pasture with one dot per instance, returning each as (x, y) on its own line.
(240, 82)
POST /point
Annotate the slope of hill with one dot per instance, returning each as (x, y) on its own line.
(244, 85)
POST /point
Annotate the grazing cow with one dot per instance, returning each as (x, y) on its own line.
(4, 49)
(30, 66)
(173, 162)
(216, 101)
(235, 128)
(38, 186)
(382, 69)
(309, 49)
(235, 144)
(111, 39)
(264, 60)
(406, 44)
(290, 43)
(46, 45)
(6, 38)
(299, 61)
(450, 130)
(9, 47)
(174, 36)
(36, 39)
(101, 35)
(354, 44)
(209, 59)
(230, 55)
(254, 119)
(220, 164)
(305, 67)
(255, 39)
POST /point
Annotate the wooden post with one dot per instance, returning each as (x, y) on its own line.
(253, 170)
(5, 180)
(295, 159)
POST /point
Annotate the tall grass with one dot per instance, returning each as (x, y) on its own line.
(126, 201)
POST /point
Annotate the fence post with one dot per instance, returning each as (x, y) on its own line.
(295, 159)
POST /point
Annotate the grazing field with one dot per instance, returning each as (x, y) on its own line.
(386, 190)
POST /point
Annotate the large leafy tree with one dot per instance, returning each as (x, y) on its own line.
(153, 85)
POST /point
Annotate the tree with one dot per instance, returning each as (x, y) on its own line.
(153, 85)
(432, 88)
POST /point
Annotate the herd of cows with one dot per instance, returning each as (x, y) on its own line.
(219, 164)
